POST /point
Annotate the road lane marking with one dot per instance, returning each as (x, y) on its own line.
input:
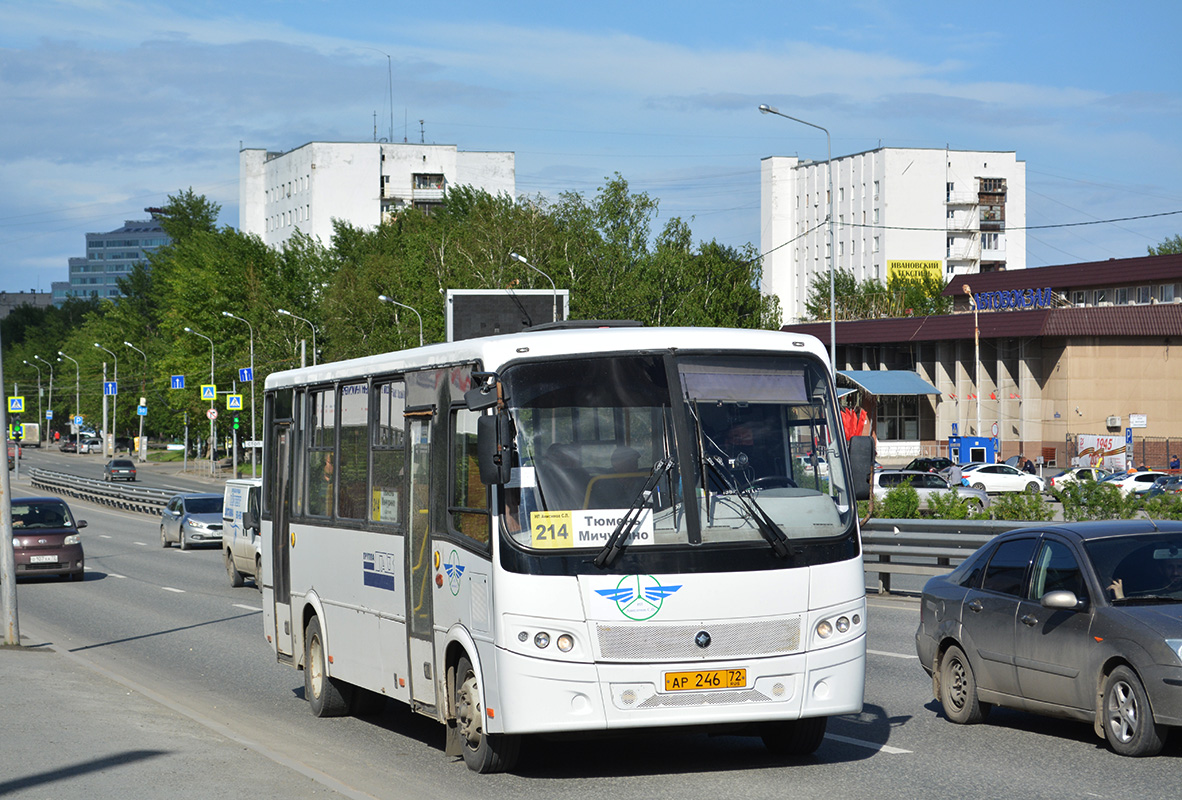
(885, 748)
(104, 536)
(248, 608)
(170, 589)
(140, 544)
(892, 655)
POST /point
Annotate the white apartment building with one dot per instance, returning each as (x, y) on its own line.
(305, 189)
(958, 211)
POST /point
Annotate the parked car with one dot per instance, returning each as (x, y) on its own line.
(45, 538)
(1081, 621)
(1077, 474)
(1136, 482)
(241, 542)
(69, 445)
(119, 469)
(995, 478)
(926, 484)
(94, 445)
(192, 518)
(1170, 484)
(941, 465)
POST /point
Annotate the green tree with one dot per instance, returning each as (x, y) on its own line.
(1171, 245)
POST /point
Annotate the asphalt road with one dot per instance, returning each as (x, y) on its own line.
(169, 621)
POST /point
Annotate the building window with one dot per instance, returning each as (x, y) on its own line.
(898, 418)
(1144, 294)
(876, 216)
(1122, 297)
(1099, 296)
(875, 244)
(841, 248)
(948, 190)
(428, 180)
(951, 214)
(1166, 293)
(841, 194)
(1077, 298)
(989, 241)
(876, 190)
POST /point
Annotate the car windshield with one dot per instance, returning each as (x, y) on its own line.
(204, 505)
(1140, 568)
(740, 448)
(45, 514)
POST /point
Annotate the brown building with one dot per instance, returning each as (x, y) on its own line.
(1093, 348)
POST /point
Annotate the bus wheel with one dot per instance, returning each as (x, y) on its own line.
(796, 738)
(483, 752)
(328, 697)
(235, 576)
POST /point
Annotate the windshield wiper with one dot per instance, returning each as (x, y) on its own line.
(768, 528)
(631, 517)
(1149, 599)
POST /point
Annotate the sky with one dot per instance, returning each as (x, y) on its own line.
(108, 107)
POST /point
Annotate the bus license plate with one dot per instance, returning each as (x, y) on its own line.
(705, 680)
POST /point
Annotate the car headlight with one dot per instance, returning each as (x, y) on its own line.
(1176, 646)
(196, 523)
(74, 538)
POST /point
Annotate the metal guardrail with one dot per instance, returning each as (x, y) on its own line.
(923, 546)
(126, 496)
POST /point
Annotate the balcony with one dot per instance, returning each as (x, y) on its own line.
(961, 198)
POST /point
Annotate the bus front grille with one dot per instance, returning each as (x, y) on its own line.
(681, 641)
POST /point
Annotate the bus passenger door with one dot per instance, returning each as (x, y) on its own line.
(281, 541)
(420, 616)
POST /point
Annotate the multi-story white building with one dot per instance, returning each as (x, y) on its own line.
(305, 189)
(947, 211)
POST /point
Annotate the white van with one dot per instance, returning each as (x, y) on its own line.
(240, 541)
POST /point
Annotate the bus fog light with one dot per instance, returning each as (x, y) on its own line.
(857, 619)
(843, 624)
(628, 697)
(542, 640)
(824, 629)
(523, 636)
(566, 642)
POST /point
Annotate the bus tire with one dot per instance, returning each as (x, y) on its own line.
(235, 576)
(799, 737)
(327, 696)
(483, 752)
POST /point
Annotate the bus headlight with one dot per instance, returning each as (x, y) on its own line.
(566, 642)
(542, 640)
(843, 624)
(824, 629)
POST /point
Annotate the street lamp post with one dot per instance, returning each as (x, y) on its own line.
(977, 346)
(212, 400)
(34, 366)
(287, 313)
(50, 408)
(77, 403)
(143, 449)
(253, 438)
(114, 402)
(766, 109)
(553, 289)
(385, 299)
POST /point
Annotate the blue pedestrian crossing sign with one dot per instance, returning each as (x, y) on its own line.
(209, 391)
(246, 374)
(16, 405)
(110, 388)
(178, 381)
(233, 402)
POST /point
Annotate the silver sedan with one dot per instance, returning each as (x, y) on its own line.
(192, 518)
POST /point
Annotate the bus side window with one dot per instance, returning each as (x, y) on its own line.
(322, 437)
(354, 466)
(468, 497)
(388, 449)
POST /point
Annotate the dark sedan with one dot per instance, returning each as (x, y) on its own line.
(1081, 621)
(45, 538)
(119, 469)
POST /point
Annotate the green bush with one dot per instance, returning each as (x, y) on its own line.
(901, 502)
(1091, 500)
(950, 505)
(1164, 506)
(1022, 506)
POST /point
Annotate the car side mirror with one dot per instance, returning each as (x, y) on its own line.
(1061, 599)
(80, 523)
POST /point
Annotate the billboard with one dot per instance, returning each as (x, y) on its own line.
(1106, 452)
(490, 312)
(914, 271)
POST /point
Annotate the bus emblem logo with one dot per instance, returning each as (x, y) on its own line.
(454, 571)
(639, 597)
(378, 569)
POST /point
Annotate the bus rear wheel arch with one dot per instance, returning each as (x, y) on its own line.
(482, 751)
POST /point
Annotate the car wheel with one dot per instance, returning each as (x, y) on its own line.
(799, 737)
(1128, 720)
(979, 486)
(1033, 488)
(184, 539)
(164, 538)
(327, 696)
(958, 689)
(483, 752)
(232, 571)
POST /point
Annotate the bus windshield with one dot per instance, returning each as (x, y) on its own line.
(703, 449)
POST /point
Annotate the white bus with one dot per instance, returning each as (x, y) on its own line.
(570, 530)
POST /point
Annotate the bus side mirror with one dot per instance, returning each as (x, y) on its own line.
(862, 465)
(494, 440)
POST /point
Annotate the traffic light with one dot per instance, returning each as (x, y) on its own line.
(16, 430)
(235, 423)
